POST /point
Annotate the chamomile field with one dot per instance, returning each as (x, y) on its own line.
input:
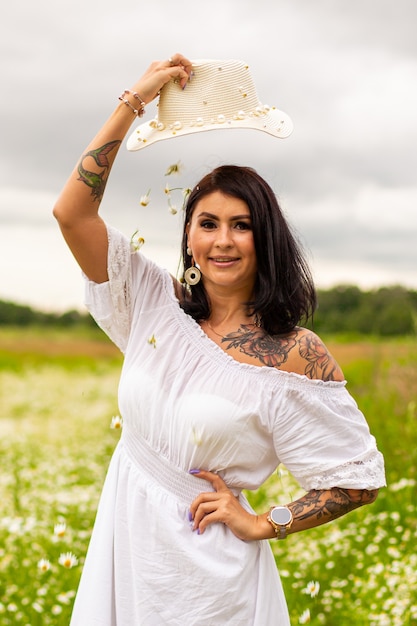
(58, 398)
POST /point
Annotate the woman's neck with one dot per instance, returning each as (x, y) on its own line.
(228, 308)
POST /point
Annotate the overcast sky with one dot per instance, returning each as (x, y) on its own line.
(346, 72)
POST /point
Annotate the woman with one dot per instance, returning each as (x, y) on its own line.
(219, 385)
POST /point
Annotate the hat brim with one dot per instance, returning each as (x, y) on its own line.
(274, 122)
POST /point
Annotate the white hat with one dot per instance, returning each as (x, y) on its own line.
(220, 94)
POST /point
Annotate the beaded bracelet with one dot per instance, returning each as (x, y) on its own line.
(139, 112)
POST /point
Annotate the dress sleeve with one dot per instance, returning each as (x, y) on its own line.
(323, 439)
(110, 303)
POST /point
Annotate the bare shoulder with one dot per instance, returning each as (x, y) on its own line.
(316, 361)
(301, 351)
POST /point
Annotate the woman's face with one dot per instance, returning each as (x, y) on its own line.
(221, 239)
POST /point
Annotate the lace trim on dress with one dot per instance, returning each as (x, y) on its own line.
(119, 271)
(365, 473)
(110, 302)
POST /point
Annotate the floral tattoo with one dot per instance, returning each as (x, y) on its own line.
(318, 358)
(97, 180)
(253, 342)
(273, 351)
(327, 505)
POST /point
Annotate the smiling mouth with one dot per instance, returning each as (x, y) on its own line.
(223, 259)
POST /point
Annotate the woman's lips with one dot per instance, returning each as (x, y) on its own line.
(223, 261)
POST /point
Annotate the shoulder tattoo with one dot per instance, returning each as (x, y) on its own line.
(320, 363)
(273, 350)
(254, 342)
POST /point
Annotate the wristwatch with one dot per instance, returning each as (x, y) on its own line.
(280, 518)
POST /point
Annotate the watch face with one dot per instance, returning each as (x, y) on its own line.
(281, 515)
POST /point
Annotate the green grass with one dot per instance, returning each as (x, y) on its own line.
(57, 397)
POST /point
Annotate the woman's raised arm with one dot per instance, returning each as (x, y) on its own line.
(76, 209)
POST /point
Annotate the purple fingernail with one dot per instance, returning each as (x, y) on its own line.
(190, 516)
(198, 531)
(194, 471)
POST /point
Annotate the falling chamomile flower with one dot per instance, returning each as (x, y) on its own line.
(186, 192)
(175, 168)
(196, 437)
(68, 560)
(172, 208)
(136, 242)
(116, 422)
(144, 200)
(152, 341)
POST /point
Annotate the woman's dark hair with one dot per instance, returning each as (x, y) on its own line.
(284, 293)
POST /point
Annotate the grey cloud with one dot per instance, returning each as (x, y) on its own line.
(343, 71)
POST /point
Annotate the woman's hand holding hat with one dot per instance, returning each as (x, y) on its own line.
(161, 72)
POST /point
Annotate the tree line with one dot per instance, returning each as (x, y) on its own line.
(383, 312)
(13, 314)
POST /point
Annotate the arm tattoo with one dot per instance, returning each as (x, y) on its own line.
(273, 351)
(97, 181)
(326, 505)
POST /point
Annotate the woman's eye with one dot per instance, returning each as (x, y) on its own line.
(208, 225)
(243, 226)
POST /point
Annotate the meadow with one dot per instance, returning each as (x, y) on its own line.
(58, 395)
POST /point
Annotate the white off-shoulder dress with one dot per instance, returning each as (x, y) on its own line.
(187, 404)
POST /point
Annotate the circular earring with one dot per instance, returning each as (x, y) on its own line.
(192, 276)
(189, 251)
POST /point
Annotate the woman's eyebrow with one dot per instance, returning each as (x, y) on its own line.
(216, 217)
